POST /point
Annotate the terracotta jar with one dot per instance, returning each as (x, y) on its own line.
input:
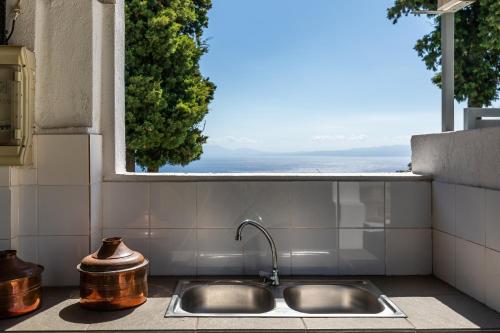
(114, 277)
(20, 285)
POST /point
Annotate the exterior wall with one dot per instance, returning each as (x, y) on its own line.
(466, 240)
(321, 228)
(465, 157)
(466, 215)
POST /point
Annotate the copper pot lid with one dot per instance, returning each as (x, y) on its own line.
(13, 268)
(113, 255)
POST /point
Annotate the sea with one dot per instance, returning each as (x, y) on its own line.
(294, 164)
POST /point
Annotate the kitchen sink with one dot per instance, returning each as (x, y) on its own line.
(292, 298)
(332, 298)
(227, 298)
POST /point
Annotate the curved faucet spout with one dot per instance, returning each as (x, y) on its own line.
(274, 275)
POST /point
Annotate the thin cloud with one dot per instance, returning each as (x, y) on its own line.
(339, 137)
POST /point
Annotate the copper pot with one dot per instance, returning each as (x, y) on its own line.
(20, 285)
(113, 278)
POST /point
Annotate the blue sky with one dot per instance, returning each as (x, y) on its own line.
(296, 75)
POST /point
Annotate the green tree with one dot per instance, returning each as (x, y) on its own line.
(167, 97)
(477, 48)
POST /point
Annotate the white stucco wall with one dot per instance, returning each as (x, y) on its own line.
(465, 157)
(66, 36)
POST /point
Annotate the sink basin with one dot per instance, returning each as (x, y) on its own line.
(292, 298)
(331, 298)
(227, 298)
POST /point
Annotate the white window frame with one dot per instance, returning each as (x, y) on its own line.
(113, 125)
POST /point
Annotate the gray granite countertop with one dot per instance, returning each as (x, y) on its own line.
(430, 305)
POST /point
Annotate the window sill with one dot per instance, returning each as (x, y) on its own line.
(199, 177)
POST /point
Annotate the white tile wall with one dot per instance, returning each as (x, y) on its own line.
(222, 205)
(63, 159)
(493, 279)
(27, 248)
(96, 215)
(362, 251)
(173, 252)
(314, 251)
(271, 203)
(135, 239)
(218, 252)
(95, 156)
(28, 207)
(14, 211)
(408, 251)
(63, 210)
(4, 244)
(444, 256)
(4, 212)
(361, 204)
(126, 205)
(173, 205)
(470, 203)
(471, 269)
(257, 254)
(60, 255)
(493, 219)
(314, 205)
(443, 207)
(408, 205)
(4, 176)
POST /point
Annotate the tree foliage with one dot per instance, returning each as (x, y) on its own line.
(477, 47)
(167, 97)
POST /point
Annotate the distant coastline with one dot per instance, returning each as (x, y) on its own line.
(218, 159)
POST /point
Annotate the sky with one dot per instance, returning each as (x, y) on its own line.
(305, 75)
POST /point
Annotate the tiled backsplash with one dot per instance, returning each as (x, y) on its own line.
(57, 212)
(320, 227)
(466, 240)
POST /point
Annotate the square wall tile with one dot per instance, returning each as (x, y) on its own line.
(63, 159)
(471, 269)
(60, 255)
(135, 239)
(4, 244)
(270, 203)
(23, 175)
(222, 204)
(443, 256)
(362, 252)
(314, 251)
(361, 204)
(63, 210)
(4, 176)
(470, 211)
(28, 208)
(173, 252)
(493, 219)
(96, 224)
(173, 205)
(125, 205)
(5, 213)
(218, 252)
(493, 279)
(408, 251)
(27, 248)
(443, 207)
(14, 211)
(257, 251)
(408, 205)
(314, 205)
(95, 151)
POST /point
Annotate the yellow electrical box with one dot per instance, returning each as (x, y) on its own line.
(17, 101)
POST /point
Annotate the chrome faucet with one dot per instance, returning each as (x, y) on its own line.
(273, 277)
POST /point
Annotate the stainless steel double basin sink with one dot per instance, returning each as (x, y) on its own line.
(241, 298)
